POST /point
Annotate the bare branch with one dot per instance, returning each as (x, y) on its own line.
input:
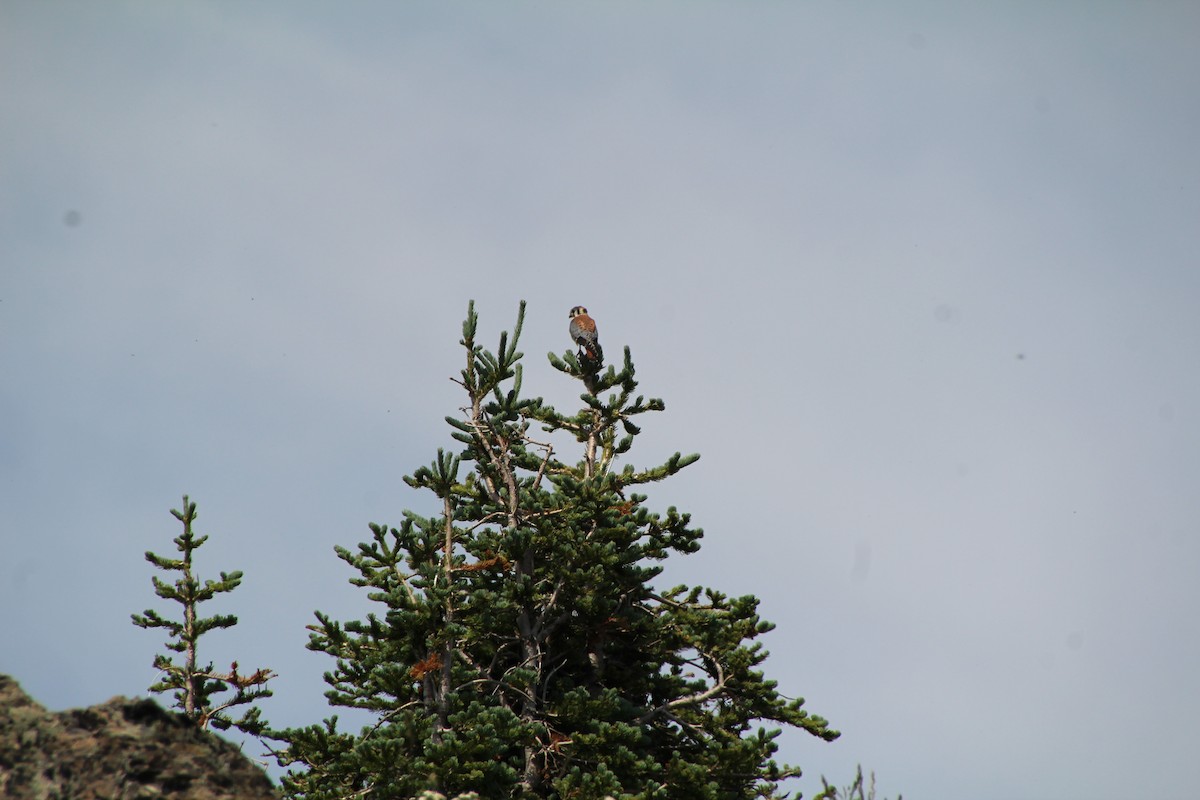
(695, 698)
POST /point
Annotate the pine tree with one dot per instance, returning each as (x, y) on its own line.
(520, 649)
(196, 687)
(857, 790)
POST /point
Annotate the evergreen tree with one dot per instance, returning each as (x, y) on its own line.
(519, 649)
(857, 790)
(196, 687)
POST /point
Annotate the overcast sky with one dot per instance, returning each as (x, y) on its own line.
(920, 284)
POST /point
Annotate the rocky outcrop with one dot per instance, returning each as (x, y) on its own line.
(119, 750)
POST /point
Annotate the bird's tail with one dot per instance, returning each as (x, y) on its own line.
(593, 355)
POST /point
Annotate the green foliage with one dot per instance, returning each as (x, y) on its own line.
(195, 688)
(519, 649)
(855, 791)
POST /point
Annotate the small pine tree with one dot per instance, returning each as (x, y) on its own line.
(520, 649)
(857, 790)
(195, 687)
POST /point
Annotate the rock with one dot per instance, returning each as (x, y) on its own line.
(119, 750)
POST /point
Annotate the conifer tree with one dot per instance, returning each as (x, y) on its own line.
(196, 687)
(520, 649)
(857, 790)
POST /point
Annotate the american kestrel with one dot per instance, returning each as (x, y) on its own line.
(583, 333)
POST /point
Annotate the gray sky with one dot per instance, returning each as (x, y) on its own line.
(919, 284)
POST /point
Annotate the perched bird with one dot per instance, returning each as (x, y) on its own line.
(583, 333)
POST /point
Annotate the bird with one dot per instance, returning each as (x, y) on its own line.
(583, 333)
